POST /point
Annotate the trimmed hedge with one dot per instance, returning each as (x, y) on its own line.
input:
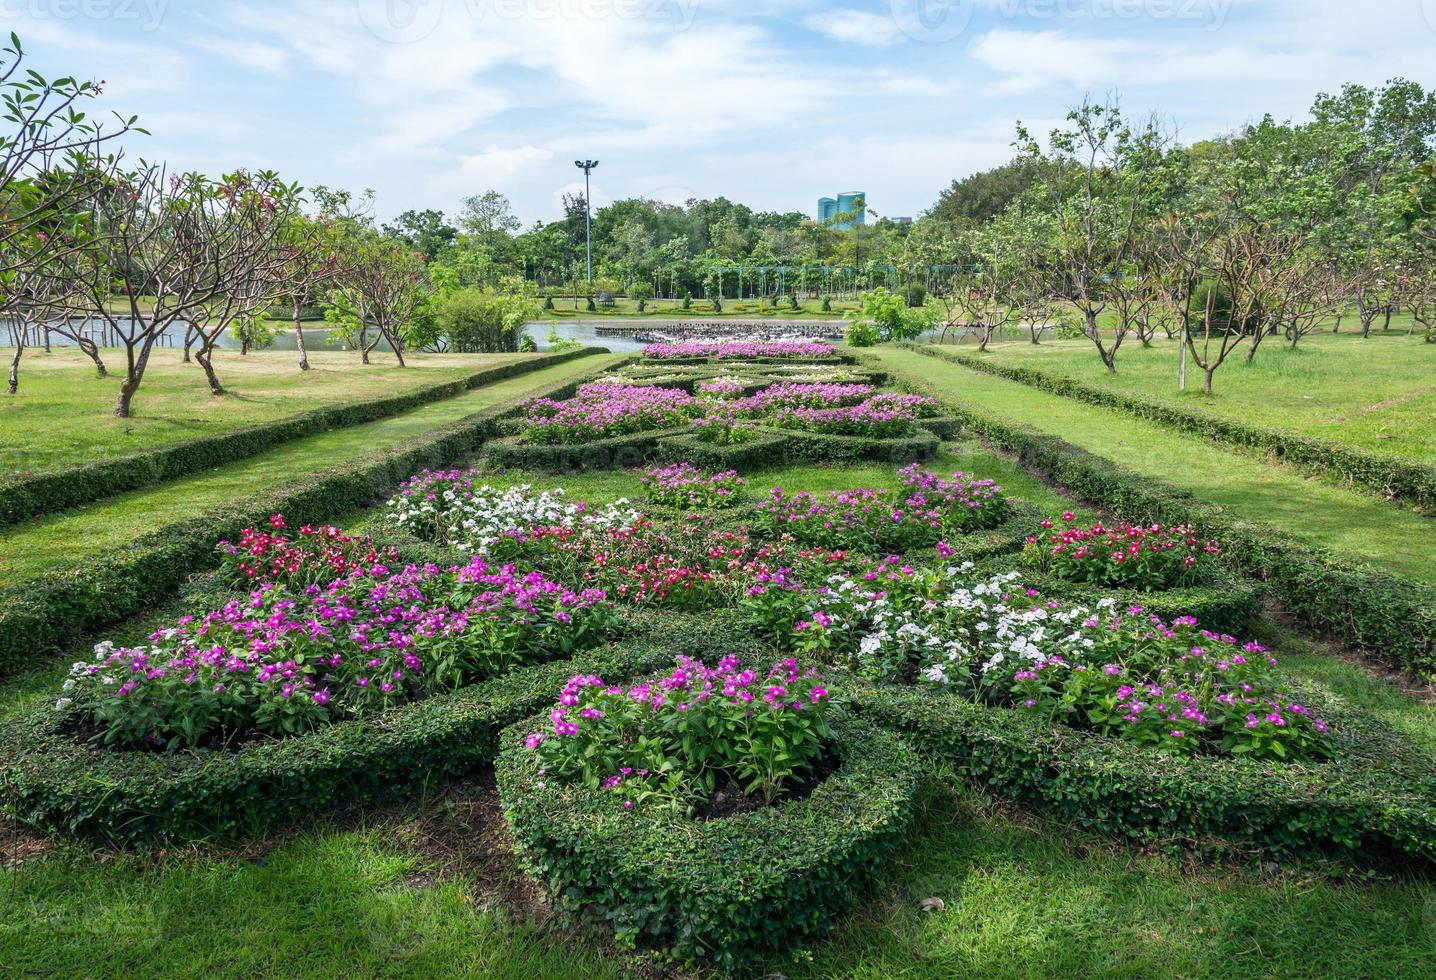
(763, 452)
(725, 892)
(56, 490)
(616, 452)
(824, 447)
(1388, 476)
(1376, 798)
(129, 798)
(1225, 604)
(1382, 614)
(41, 616)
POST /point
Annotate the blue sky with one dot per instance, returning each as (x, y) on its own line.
(771, 103)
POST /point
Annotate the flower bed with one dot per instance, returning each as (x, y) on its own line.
(293, 654)
(677, 740)
(1171, 686)
(685, 486)
(446, 508)
(1127, 556)
(52, 782)
(740, 350)
(927, 509)
(600, 411)
(725, 892)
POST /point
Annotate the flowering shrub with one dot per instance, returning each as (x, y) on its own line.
(721, 388)
(686, 566)
(285, 659)
(724, 428)
(316, 555)
(599, 411)
(675, 740)
(445, 507)
(801, 394)
(740, 349)
(685, 486)
(1125, 556)
(928, 509)
(1172, 686)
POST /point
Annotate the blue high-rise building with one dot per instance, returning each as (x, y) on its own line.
(851, 205)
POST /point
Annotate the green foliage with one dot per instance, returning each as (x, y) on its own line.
(723, 892)
(483, 320)
(885, 316)
(1377, 795)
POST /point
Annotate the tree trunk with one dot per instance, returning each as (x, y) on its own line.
(15, 365)
(1387, 324)
(134, 374)
(188, 341)
(203, 356)
(93, 352)
(299, 339)
(364, 344)
(1207, 385)
(47, 338)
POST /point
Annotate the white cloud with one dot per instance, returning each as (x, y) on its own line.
(855, 27)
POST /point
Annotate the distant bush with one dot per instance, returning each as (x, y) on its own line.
(483, 320)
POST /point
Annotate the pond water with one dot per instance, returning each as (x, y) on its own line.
(316, 337)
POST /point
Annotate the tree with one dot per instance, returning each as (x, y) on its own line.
(425, 232)
(489, 217)
(979, 198)
(377, 291)
(1097, 182)
(885, 316)
(165, 249)
(310, 248)
(987, 292)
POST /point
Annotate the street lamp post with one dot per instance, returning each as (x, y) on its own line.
(587, 167)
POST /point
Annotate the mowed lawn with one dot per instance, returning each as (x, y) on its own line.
(1351, 524)
(1377, 394)
(62, 414)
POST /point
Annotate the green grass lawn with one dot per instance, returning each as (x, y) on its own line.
(37, 546)
(1316, 512)
(1377, 394)
(62, 413)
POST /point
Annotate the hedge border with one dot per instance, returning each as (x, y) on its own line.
(1376, 798)
(615, 452)
(1384, 615)
(1224, 604)
(763, 452)
(50, 491)
(42, 615)
(1389, 477)
(726, 892)
(51, 782)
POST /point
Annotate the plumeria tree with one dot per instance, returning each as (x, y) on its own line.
(378, 289)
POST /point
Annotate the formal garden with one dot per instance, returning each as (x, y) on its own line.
(1074, 614)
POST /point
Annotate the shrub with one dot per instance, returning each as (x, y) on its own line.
(723, 892)
(599, 411)
(1132, 556)
(52, 782)
(678, 740)
(881, 521)
(684, 486)
(446, 508)
(1385, 615)
(290, 657)
(1172, 686)
(483, 320)
(739, 350)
